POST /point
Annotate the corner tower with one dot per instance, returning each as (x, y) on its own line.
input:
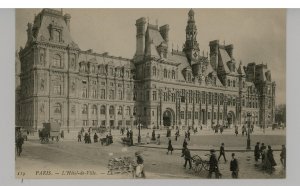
(191, 46)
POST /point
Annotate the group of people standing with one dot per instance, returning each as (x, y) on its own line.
(265, 153)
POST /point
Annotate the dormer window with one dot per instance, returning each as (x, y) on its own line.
(56, 61)
(55, 32)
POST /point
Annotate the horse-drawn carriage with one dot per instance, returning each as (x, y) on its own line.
(107, 140)
(49, 131)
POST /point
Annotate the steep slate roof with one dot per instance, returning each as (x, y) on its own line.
(183, 63)
(225, 58)
(42, 22)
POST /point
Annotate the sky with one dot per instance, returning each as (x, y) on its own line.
(258, 35)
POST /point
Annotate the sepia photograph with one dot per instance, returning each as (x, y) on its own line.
(150, 93)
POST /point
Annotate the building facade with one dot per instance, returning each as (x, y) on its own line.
(158, 87)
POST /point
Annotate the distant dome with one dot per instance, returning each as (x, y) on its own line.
(191, 12)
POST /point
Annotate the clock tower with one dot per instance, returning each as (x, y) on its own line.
(191, 46)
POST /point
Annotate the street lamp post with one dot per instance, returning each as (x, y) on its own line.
(139, 127)
(248, 136)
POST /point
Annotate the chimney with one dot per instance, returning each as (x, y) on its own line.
(214, 53)
(164, 31)
(67, 18)
(229, 49)
(140, 36)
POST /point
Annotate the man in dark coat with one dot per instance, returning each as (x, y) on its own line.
(170, 147)
(95, 138)
(222, 152)
(234, 167)
(153, 136)
(283, 156)
(271, 157)
(131, 137)
(187, 157)
(256, 152)
(213, 164)
(262, 147)
(19, 143)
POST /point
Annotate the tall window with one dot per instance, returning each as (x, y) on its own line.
(84, 93)
(120, 94)
(56, 60)
(233, 83)
(233, 102)
(84, 109)
(203, 97)
(173, 97)
(94, 93)
(154, 71)
(103, 110)
(102, 93)
(209, 98)
(111, 94)
(173, 74)
(189, 115)
(94, 109)
(57, 108)
(221, 99)
(111, 110)
(228, 83)
(181, 114)
(128, 111)
(165, 73)
(196, 115)
(216, 99)
(120, 110)
(154, 96)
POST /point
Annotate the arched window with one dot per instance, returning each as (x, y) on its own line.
(84, 109)
(165, 73)
(94, 109)
(120, 110)
(154, 71)
(111, 110)
(57, 108)
(128, 111)
(56, 60)
(173, 74)
(102, 109)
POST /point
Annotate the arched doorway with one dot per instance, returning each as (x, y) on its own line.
(168, 118)
(230, 118)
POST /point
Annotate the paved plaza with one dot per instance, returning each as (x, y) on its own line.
(70, 155)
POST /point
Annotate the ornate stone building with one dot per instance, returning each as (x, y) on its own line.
(158, 87)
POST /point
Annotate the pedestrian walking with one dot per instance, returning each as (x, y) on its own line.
(158, 139)
(176, 135)
(189, 135)
(170, 147)
(62, 134)
(257, 151)
(95, 138)
(222, 152)
(128, 133)
(148, 138)
(153, 135)
(243, 130)
(19, 144)
(221, 129)
(86, 138)
(131, 137)
(271, 157)
(236, 130)
(213, 165)
(283, 156)
(184, 146)
(187, 157)
(234, 166)
(79, 136)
